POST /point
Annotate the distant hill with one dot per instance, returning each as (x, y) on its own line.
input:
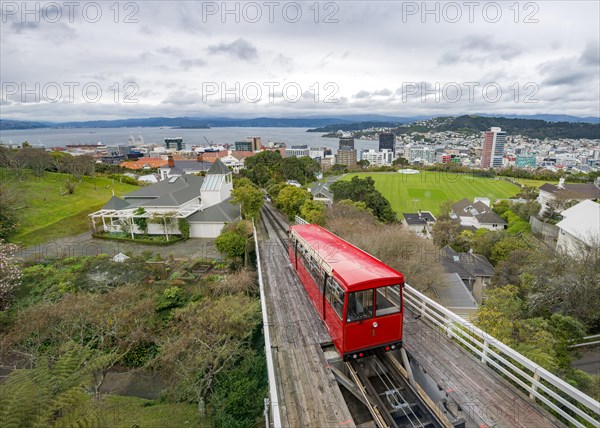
(471, 124)
(6, 124)
(319, 123)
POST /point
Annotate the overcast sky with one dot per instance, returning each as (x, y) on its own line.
(177, 58)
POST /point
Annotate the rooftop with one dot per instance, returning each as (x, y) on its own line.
(573, 191)
(582, 221)
(354, 266)
(423, 217)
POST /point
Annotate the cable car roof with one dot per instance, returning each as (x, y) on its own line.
(354, 266)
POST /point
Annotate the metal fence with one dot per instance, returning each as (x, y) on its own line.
(568, 403)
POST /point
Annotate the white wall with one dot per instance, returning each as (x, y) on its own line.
(205, 230)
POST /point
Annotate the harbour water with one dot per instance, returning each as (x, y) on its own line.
(192, 137)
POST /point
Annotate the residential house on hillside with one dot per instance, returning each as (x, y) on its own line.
(452, 293)
(473, 269)
(476, 215)
(563, 192)
(182, 167)
(416, 222)
(580, 228)
(321, 193)
(205, 202)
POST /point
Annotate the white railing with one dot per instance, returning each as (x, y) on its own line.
(539, 383)
(300, 220)
(273, 396)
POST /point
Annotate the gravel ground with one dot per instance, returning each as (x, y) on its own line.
(85, 245)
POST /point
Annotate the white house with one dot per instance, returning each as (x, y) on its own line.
(579, 228)
(205, 202)
(476, 215)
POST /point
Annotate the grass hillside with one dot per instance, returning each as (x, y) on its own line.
(45, 213)
(428, 190)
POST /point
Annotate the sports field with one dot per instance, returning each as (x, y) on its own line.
(428, 190)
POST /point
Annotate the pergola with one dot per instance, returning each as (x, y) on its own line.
(129, 215)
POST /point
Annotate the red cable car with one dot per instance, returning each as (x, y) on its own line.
(357, 296)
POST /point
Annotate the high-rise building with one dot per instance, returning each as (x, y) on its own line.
(347, 143)
(346, 157)
(387, 140)
(252, 144)
(493, 148)
(256, 143)
(298, 151)
(174, 143)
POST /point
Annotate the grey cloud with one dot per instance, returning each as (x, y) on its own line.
(21, 27)
(591, 54)
(362, 94)
(240, 48)
(169, 50)
(477, 49)
(382, 92)
(188, 63)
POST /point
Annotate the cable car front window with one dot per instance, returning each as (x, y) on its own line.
(360, 305)
(388, 300)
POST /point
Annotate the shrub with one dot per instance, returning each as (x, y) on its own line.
(172, 297)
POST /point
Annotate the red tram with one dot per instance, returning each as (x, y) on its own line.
(357, 296)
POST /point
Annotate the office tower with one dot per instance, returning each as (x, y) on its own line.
(493, 148)
(387, 140)
(347, 143)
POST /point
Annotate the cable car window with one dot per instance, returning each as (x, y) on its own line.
(335, 296)
(360, 305)
(388, 300)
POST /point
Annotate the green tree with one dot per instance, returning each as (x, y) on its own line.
(184, 227)
(250, 198)
(262, 167)
(8, 213)
(232, 244)
(140, 222)
(363, 163)
(313, 212)
(291, 199)
(363, 190)
(400, 161)
(504, 247)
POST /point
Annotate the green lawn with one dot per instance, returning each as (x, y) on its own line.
(428, 190)
(129, 412)
(45, 214)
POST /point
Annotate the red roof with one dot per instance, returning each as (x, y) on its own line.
(356, 268)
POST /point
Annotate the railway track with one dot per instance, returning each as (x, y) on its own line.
(276, 224)
(387, 394)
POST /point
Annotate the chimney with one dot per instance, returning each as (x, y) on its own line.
(419, 212)
(171, 162)
(199, 158)
(561, 183)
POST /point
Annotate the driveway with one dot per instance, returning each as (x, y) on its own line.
(85, 245)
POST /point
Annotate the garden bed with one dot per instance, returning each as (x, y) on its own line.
(159, 240)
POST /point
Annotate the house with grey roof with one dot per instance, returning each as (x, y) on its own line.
(182, 167)
(562, 193)
(474, 270)
(321, 192)
(477, 214)
(419, 222)
(452, 293)
(204, 202)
